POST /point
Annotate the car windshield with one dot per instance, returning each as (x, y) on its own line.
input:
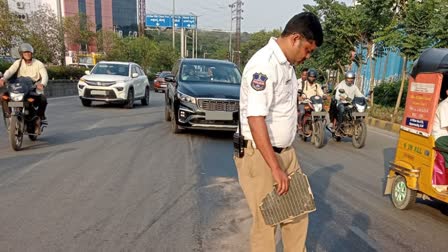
(112, 69)
(210, 72)
(164, 74)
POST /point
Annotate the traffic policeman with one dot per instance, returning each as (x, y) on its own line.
(268, 116)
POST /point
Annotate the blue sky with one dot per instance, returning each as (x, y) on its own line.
(215, 14)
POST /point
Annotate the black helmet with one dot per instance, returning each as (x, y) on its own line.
(25, 47)
(312, 73)
(350, 75)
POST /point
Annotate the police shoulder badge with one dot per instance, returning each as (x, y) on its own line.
(259, 81)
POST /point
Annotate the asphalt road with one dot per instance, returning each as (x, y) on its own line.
(110, 179)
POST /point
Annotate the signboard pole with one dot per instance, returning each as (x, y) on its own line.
(174, 27)
(193, 40)
(182, 41)
(196, 44)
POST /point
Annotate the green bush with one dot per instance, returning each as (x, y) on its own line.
(4, 66)
(55, 72)
(64, 73)
(386, 94)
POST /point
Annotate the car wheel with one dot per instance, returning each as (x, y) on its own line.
(167, 113)
(145, 100)
(86, 103)
(130, 101)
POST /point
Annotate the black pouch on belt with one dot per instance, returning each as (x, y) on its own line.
(238, 145)
(238, 139)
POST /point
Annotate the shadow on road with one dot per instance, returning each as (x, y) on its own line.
(320, 181)
(356, 238)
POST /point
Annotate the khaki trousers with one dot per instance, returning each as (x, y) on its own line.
(256, 180)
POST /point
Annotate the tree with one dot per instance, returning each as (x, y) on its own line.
(11, 29)
(339, 39)
(408, 32)
(79, 30)
(256, 41)
(46, 35)
(105, 41)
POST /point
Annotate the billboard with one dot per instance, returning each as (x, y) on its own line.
(166, 21)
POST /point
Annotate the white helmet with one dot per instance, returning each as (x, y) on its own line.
(25, 47)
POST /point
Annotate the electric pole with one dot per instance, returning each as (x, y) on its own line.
(238, 18)
(232, 7)
(141, 18)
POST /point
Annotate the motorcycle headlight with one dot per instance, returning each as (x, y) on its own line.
(186, 98)
(360, 108)
(16, 97)
(317, 107)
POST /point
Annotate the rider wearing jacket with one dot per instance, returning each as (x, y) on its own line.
(27, 67)
(351, 91)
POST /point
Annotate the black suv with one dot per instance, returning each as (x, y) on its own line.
(203, 94)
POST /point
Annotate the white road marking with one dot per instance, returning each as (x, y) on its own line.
(95, 125)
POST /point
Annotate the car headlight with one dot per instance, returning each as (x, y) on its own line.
(186, 98)
(16, 97)
(82, 81)
(317, 107)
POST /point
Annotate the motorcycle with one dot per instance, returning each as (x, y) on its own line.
(313, 121)
(23, 117)
(353, 124)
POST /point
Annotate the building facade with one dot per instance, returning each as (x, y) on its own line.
(120, 16)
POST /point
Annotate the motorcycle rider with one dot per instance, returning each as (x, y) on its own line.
(303, 77)
(27, 68)
(310, 88)
(351, 91)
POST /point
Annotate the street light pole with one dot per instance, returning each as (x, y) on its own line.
(230, 33)
(174, 27)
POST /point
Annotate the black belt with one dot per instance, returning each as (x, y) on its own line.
(276, 149)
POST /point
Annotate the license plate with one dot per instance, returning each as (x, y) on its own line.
(98, 92)
(219, 116)
(15, 104)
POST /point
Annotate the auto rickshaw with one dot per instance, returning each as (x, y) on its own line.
(417, 171)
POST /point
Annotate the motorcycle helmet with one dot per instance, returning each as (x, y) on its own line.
(25, 47)
(350, 77)
(312, 74)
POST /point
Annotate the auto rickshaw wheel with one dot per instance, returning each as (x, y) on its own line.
(402, 197)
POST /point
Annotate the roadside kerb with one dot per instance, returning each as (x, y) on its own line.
(385, 125)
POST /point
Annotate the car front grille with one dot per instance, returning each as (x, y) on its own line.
(110, 94)
(218, 105)
(100, 83)
(214, 122)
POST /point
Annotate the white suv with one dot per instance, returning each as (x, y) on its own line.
(111, 81)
